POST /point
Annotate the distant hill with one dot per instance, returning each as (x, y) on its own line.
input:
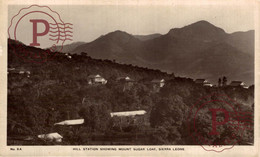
(70, 47)
(186, 51)
(147, 37)
(244, 41)
(117, 45)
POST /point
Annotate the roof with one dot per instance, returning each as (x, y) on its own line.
(207, 84)
(158, 80)
(200, 80)
(94, 76)
(15, 71)
(124, 78)
(128, 113)
(71, 122)
(50, 135)
(11, 69)
(236, 83)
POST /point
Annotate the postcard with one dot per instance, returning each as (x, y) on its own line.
(129, 78)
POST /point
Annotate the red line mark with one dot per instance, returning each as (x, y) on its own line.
(61, 32)
(61, 24)
(60, 35)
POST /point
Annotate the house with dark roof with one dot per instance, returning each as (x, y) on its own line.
(158, 82)
(127, 81)
(238, 84)
(96, 79)
(203, 82)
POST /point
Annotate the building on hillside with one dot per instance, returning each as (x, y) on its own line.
(127, 81)
(129, 118)
(96, 79)
(238, 84)
(21, 72)
(203, 82)
(158, 82)
(128, 113)
(69, 125)
(51, 137)
(10, 69)
(207, 84)
(68, 55)
(71, 122)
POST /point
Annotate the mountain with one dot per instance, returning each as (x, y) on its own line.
(186, 51)
(147, 37)
(244, 41)
(117, 45)
(201, 30)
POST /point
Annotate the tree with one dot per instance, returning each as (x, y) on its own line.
(83, 54)
(167, 114)
(224, 81)
(219, 82)
(96, 117)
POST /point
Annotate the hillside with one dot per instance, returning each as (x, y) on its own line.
(179, 49)
(58, 90)
(244, 41)
(70, 47)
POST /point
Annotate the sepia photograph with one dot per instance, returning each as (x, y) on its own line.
(131, 75)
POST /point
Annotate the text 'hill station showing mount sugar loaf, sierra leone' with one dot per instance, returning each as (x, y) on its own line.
(199, 50)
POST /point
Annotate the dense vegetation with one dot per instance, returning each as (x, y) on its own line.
(57, 90)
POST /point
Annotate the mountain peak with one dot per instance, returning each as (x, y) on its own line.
(205, 25)
(203, 22)
(199, 30)
(118, 32)
(117, 35)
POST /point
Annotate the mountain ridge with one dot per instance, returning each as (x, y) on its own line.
(180, 48)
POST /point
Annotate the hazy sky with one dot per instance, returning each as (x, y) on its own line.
(89, 22)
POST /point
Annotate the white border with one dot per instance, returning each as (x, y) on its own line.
(67, 150)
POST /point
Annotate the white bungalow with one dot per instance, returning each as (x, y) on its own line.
(52, 137)
(128, 113)
(128, 118)
(71, 122)
(21, 72)
(96, 79)
(207, 84)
